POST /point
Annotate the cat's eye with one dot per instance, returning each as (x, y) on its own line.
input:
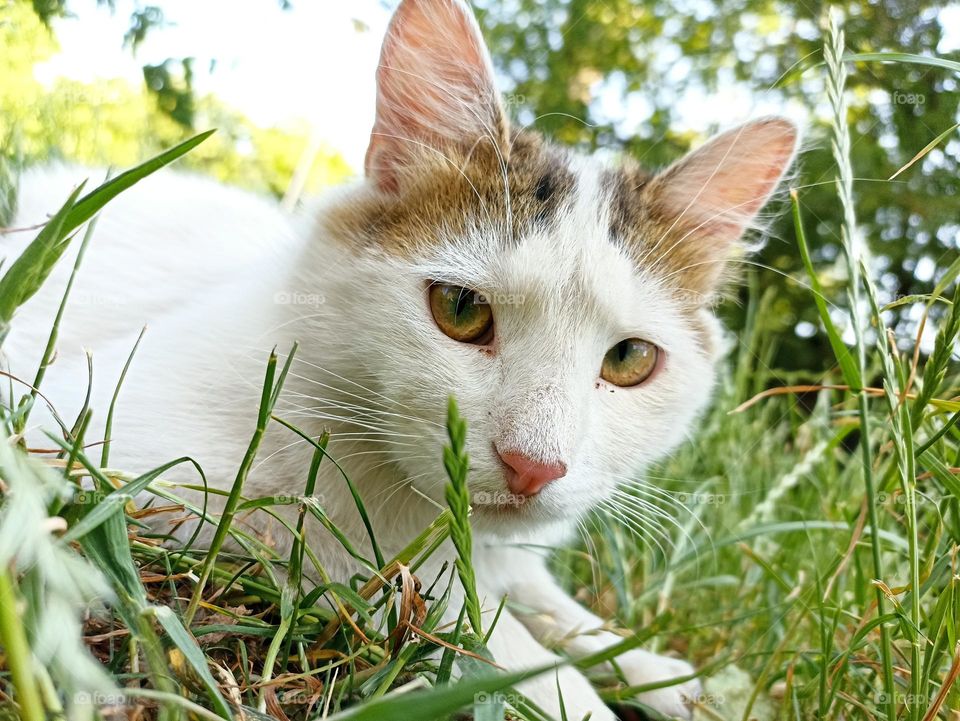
(461, 313)
(630, 362)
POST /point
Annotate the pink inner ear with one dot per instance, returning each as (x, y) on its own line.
(434, 87)
(718, 189)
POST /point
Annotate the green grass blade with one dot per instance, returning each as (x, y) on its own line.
(19, 659)
(115, 501)
(848, 364)
(908, 58)
(194, 656)
(351, 486)
(268, 398)
(48, 351)
(27, 273)
(108, 426)
(90, 204)
(437, 703)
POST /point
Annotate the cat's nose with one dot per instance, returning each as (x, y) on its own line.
(526, 477)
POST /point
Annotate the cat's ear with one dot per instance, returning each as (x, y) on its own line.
(707, 199)
(435, 89)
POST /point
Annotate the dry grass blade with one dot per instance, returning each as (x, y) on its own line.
(927, 148)
(950, 404)
(948, 682)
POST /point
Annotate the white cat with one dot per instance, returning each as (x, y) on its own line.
(564, 301)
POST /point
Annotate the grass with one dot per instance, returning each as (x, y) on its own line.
(811, 570)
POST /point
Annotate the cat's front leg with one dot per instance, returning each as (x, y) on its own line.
(557, 621)
(516, 649)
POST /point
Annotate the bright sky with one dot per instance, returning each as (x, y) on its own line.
(316, 62)
(275, 66)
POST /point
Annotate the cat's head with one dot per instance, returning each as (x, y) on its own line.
(564, 301)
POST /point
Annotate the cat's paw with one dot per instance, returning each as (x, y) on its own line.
(577, 696)
(642, 667)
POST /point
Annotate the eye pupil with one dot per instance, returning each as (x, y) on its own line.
(462, 299)
(458, 314)
(630, 362)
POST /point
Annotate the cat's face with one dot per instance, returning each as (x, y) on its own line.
(564, 301)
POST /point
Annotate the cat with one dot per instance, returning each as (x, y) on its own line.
(566, 301)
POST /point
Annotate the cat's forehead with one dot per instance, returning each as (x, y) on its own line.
(535, 210)
(564, 268)
(447, 194)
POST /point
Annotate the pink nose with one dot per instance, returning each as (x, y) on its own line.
(527, 477)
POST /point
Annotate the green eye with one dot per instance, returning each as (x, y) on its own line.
(460, 314)
(630, 362)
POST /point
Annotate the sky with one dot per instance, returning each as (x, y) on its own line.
(316, 62)
(310, 62)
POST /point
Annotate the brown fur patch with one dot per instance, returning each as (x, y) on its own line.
(444, 194)
(671, 250)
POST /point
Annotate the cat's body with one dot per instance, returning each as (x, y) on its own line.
(574, 255)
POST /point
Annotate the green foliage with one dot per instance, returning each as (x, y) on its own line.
(108, 122)
(173, 90)
(142, 20)
(43, 586)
